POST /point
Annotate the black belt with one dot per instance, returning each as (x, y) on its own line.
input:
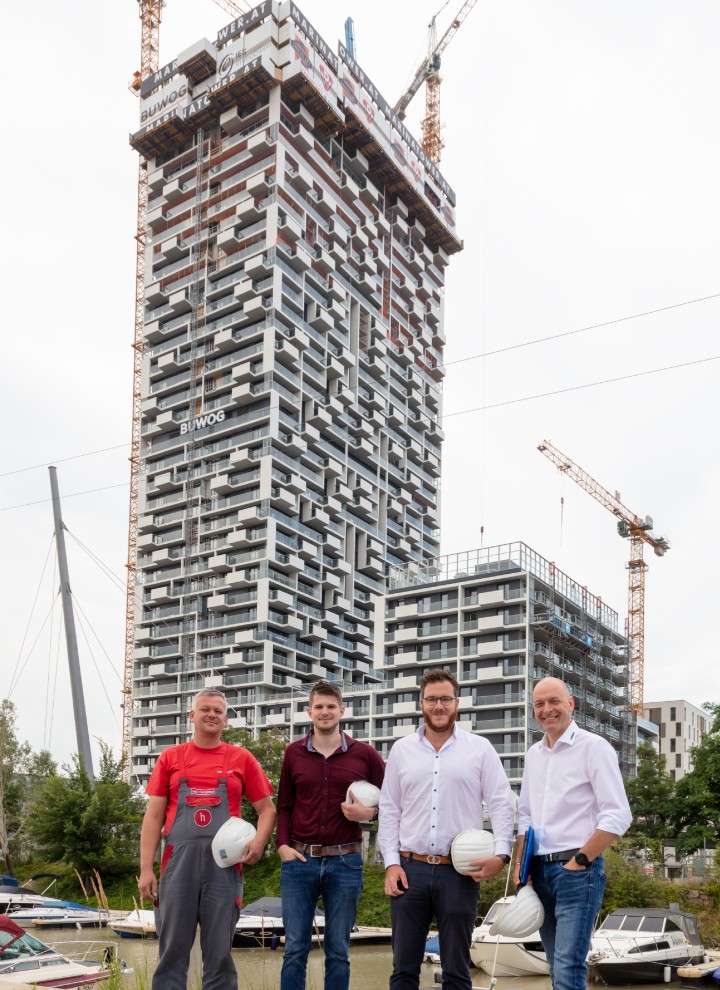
(560, 857)
(314, 850)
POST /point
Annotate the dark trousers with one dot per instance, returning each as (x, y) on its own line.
(452, 899)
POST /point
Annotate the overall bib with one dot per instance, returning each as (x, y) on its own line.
(194, 889)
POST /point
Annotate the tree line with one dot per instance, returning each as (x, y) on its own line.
(58, 815)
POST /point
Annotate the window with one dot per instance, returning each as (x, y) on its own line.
(672, 745)
(673, 714)
(678, 760)
(678, 729)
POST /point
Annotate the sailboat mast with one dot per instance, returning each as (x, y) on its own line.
(81, 726)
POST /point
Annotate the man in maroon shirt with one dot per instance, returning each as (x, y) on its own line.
(319, 839)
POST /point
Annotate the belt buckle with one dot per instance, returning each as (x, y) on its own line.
(314, 851)
(434, 860)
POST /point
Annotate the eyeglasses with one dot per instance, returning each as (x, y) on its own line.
(445, 701)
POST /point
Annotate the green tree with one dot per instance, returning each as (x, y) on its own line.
(652, 799)
(268, 750)
(697, 808)
(20, 772)
(88, 824)
(12, 759)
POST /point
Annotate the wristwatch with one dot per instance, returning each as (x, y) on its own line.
(504, 857)
(582, 860)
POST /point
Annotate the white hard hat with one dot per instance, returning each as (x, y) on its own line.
(521, 917)
(365, 792)
(469, 845)
(231, 840)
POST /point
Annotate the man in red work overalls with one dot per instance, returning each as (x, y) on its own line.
(193, 790)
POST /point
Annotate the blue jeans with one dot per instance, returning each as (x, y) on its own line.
(338, 880)
(453, 900)
(572, 900)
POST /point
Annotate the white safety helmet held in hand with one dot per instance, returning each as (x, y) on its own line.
(469, 845)
(520, 918)
(231, 841)
(364, 792)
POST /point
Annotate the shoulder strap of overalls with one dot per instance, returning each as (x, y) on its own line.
(182, 751)
(226, 760)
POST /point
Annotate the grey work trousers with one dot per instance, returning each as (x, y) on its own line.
(194, 890)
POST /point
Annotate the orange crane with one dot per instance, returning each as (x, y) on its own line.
(638, 531)
(150, 16)
(429, 72)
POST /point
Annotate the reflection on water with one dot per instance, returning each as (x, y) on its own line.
(259, 969)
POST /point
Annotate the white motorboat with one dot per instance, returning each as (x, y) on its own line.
(59, 914)
(25, 959)
(644, 945)
(500, 955)
(13, 896)
(260, 924)
(137, 924)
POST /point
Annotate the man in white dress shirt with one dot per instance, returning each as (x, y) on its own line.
(435, 783)
(572, 794)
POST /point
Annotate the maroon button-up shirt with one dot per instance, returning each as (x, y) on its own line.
(313, 787)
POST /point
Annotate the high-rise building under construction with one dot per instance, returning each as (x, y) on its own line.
(297, 240)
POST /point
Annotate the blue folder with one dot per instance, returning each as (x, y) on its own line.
(527, 856)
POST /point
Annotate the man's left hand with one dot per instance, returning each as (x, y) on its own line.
(253, 852)
(485, 869)
(357, 812)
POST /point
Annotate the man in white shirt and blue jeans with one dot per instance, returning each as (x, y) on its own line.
(435, 783)
(573, 796)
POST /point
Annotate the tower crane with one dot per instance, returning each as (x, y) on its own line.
(429, 72)
(639, 532)
(150, 16)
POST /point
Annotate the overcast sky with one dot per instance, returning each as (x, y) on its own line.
(581, 139)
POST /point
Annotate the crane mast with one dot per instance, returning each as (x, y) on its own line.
(638, 531)
(150, 17)
(429, 72)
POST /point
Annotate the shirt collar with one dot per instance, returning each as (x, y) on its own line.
(568, 737)
(421, 733)
(343, 742)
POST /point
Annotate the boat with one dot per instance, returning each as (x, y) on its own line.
(432, 949)
(499, 955)
(370, 935)
(58, 914)
(703, 974)
(25, 959)
(260, 924)
(137, 924)
(13, 896)
(644, 945)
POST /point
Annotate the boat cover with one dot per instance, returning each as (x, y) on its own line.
(9, 926)
(687, 923)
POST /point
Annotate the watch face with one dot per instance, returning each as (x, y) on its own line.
(582, 860)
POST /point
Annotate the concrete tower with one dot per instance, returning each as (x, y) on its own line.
(297, 243)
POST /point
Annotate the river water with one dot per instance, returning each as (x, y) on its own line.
(259, 969)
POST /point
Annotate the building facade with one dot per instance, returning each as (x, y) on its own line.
(500, 619)
(297, 240)
(680, 727)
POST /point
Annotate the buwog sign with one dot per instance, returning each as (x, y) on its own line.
(208, 419)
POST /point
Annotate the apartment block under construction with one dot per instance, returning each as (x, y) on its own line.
(500, 618)
(297, 240)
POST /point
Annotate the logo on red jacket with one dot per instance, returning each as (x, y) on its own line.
(202, 817)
